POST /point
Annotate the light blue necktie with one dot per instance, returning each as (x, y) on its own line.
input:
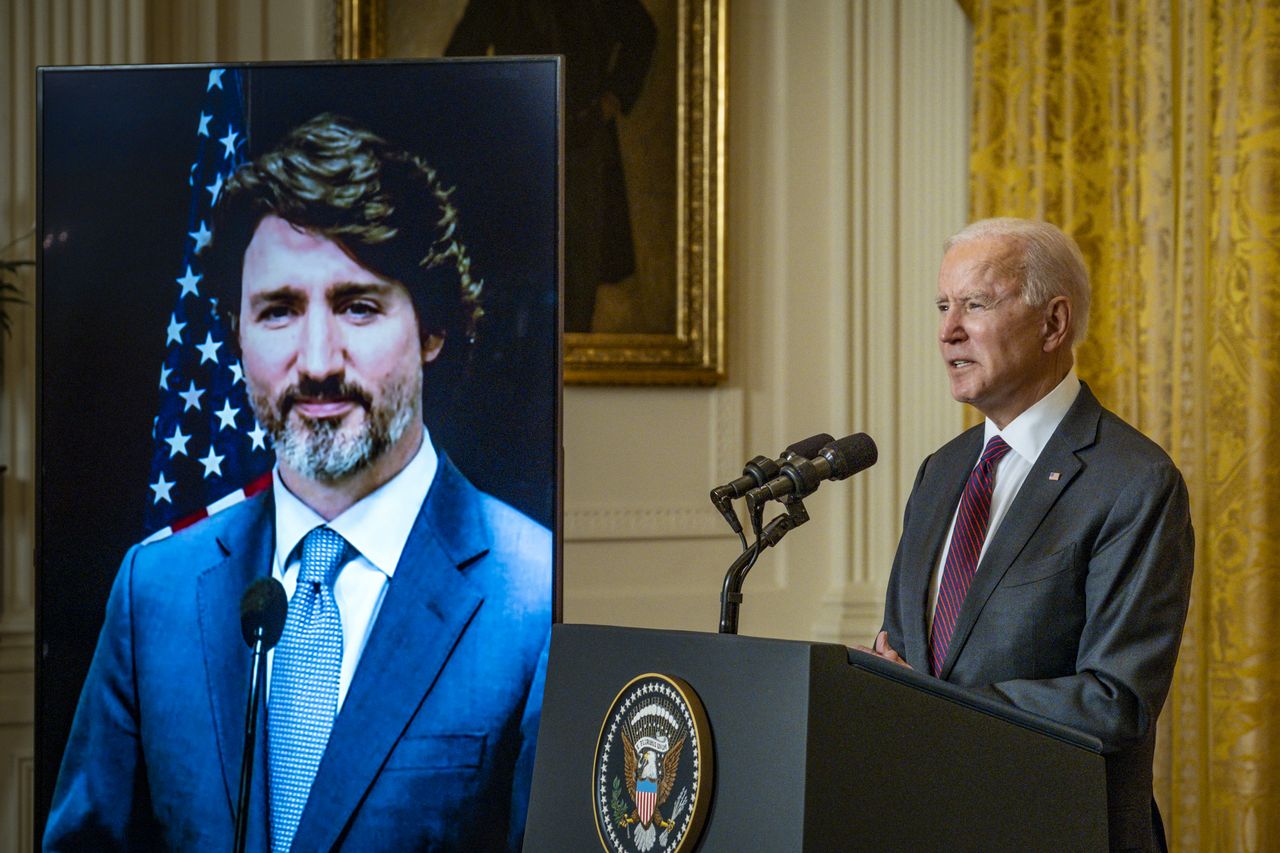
(304, 683)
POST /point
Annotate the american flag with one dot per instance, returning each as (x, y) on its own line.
(209, 450)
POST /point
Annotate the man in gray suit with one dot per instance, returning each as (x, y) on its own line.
(1046, 555)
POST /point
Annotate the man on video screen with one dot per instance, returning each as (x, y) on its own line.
(402, 701)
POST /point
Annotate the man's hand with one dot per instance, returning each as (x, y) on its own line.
(884, 650)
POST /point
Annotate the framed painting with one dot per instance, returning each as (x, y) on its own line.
(644, 118)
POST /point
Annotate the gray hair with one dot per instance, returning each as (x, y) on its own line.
(1044, 261)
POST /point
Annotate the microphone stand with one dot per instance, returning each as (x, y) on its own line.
(770, 535)
(731, 594)
(256, 676)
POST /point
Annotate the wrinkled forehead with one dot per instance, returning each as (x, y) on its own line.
(991, 266)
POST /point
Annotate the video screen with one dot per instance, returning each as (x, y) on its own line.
(301, 322)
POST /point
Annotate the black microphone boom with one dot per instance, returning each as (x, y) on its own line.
(798, 478)
(836, 461)
(262, 613)
(761, 470)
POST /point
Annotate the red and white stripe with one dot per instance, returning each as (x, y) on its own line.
(251, 489)
(645, 802)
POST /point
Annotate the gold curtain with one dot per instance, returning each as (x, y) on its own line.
(1150, 131)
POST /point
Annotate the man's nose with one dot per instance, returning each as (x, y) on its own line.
(950, 326)
(320, 350)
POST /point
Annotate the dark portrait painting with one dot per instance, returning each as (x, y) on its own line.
(292, 313)
(644, 118)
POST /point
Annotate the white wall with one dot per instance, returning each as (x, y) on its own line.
(846, 169)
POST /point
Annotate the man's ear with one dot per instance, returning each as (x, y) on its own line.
(431, 346)
(1057, 323)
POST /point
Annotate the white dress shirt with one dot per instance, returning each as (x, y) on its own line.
(1026, 435)
(377, 527)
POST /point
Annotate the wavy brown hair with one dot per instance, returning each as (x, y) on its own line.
(385, 207)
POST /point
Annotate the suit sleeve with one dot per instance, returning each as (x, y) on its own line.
(523, 777)
(1136, 597)
(100, 801)
(892, 600)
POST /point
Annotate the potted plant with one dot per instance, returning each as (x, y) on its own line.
(9, 290)
(10, 293)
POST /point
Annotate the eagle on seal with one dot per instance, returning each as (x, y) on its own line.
(651, 773)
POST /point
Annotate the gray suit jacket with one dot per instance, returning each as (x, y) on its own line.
(1077, 608)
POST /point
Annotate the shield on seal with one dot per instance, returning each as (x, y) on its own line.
(646, 799)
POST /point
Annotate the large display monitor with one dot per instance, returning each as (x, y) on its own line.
(245, 269)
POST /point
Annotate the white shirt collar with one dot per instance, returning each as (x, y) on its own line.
(1029, 432)
(377, 525)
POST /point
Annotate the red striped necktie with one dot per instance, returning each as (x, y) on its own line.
(966, 545)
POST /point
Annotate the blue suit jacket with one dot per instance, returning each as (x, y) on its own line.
(433, 747)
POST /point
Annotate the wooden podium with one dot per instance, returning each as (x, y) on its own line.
(819, 748)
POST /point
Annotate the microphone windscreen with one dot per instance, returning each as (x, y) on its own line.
(811, 446)
(263, 607)
(851, 454)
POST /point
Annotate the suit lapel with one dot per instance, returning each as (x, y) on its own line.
(246, 554)
(1035, 498)
(427, 608)
(953, 464)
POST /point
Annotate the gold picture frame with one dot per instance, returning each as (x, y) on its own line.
(689, 348)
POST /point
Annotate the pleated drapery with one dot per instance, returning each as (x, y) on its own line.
(1150, 131)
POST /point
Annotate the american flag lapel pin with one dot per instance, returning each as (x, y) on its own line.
(1055, 476)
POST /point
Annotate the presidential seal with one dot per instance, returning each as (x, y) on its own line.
(653, 768)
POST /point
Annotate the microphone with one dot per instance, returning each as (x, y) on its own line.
(262, 612)
(761, 470)
(835, 461)
(797, 478)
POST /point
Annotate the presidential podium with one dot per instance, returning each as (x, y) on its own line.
(819, 748)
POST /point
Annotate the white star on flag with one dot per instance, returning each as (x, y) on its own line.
(227, 415)
(229, 142)
(191, 396)
(209, 349)
(189, 423)
(201, 235)
(174, 332)
(177, 442)
(215, 188)
(212, 463)
(258, 435)
(162, 488)
(189, 282)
